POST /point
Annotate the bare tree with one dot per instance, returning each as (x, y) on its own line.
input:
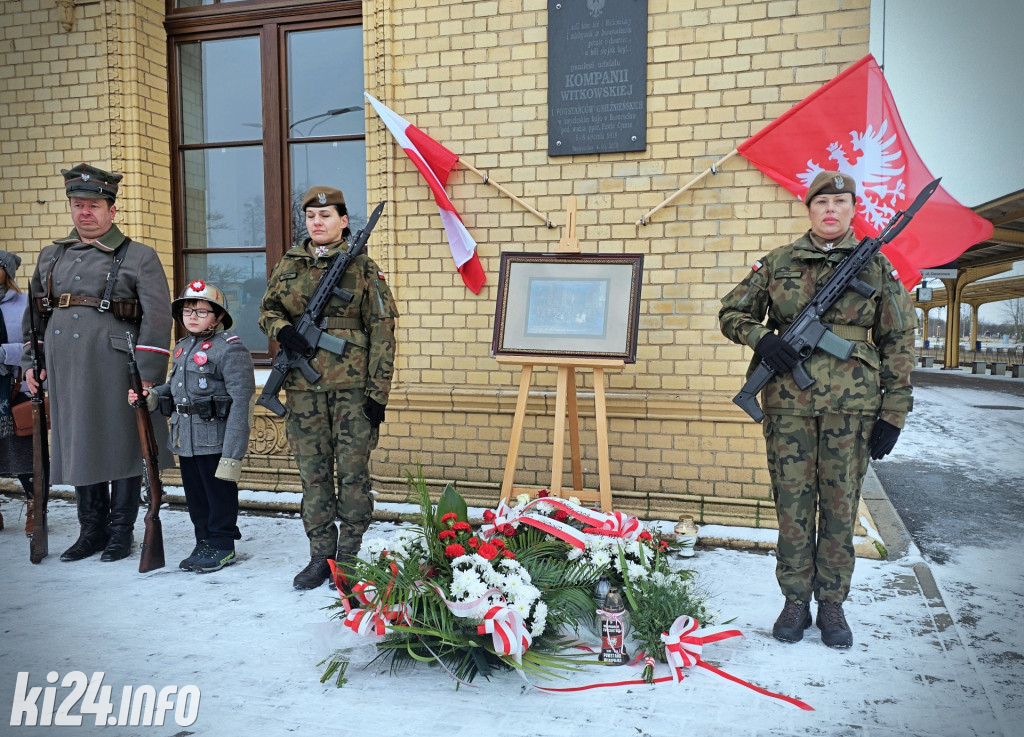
(1014, 310)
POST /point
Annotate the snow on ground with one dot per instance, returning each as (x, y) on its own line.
(251, 645)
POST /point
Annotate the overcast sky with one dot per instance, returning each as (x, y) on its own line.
(954, 71)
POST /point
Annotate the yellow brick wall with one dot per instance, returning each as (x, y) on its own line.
(96, 93)
(472, 74)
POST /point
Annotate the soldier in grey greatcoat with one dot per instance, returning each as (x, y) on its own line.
(90, 289)
(819, 439)
(209, 398)
(333, 423)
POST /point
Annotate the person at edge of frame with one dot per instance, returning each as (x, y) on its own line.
(333, 423)
(209, 399)
(15, 451)
(819, 439)
(91, 288)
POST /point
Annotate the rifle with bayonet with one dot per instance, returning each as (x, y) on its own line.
(807, 332)
(151, 555)
(309, 325)
(39, 547)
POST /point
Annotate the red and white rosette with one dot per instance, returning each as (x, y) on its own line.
(372, 617)
(505, 625)
(684, 647)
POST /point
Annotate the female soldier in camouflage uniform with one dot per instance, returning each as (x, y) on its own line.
(334, 421)
(819, 439)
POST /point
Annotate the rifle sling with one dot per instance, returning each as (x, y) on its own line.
(847, 332)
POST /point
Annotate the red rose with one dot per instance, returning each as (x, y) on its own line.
(462, 527)
(454, 550)
(446, 535)
(489, 516)
(543, 494)
(508, 530)
(473, 543)
(561, 515)
(488, 551)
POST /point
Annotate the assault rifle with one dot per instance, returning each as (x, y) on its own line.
(151, 556)
(309, 324)
(807, 331)
(39, 547)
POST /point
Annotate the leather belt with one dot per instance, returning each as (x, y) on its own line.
(74, 300)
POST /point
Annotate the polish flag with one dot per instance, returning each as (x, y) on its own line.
(851, 125)
(435, 163)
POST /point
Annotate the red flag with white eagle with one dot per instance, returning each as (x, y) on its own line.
(435, 163)
(852, 125)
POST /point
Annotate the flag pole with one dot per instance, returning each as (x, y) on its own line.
(487, 180)
(713, 169)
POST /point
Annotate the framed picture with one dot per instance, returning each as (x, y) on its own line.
(585, 305)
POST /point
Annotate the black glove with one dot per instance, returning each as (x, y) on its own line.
(374, 411)
(883, 438)
(777, 353)
(292, 342)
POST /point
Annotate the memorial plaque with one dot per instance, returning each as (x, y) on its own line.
(597, 76)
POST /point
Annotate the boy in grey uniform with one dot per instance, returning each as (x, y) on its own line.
(209, 398)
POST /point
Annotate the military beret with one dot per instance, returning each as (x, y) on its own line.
(322, 197)
(831, 182)
(9, 262)
(90, 183)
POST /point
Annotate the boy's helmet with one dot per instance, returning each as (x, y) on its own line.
(199, 289)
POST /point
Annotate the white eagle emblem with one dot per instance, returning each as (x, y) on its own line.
(595, 7)
(321, 197)
(876, 170)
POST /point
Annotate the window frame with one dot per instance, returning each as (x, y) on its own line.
(270, 21)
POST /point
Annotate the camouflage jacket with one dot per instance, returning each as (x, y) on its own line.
(876, 378)
(367, 322)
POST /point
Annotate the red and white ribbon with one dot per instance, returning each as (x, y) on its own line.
(612, 524)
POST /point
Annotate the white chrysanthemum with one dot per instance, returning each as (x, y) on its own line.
(476, 589)
(522, 608)
(574, 554)
(540, 618)
(600, 558)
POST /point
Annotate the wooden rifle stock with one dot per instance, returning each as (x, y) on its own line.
(151, 556)
(39, 547)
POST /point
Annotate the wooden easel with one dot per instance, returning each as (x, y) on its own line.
(565, 403)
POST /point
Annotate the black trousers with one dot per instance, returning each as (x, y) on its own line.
(212, 502)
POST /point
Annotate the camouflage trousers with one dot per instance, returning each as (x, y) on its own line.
(817, 465)
(328, 431)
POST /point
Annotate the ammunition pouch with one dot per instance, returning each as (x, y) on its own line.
(206, 408)
(165, 402)
(221, 407)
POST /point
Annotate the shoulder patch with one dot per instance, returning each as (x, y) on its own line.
(380, 274)
(895, 275)
(757, 266)
(231, 339)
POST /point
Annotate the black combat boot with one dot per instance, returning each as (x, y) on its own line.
(793, 620)
(835, 632)
(313, 574)
(124, 510)
(93, 506)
